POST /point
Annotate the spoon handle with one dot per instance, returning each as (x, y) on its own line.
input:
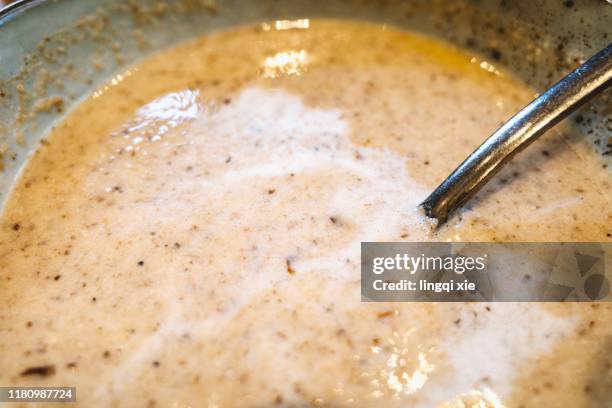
(522, 129)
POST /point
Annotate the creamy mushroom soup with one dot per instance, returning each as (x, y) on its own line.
(189, 235)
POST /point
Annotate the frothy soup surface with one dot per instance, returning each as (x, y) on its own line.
(189, 235)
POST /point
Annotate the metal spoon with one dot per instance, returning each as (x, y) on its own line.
(591, 78)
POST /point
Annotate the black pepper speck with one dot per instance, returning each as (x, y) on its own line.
(39, 371)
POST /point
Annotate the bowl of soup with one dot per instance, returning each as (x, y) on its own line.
(185, 187)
